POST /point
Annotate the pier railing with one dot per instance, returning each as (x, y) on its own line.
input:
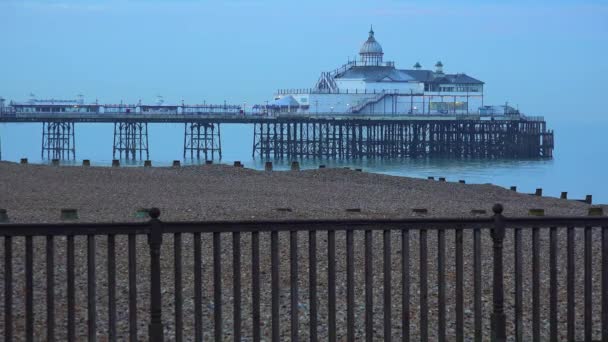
(423, 278)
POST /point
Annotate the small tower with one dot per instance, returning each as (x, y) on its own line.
(417, 66)
(439, 67)
(371, 51)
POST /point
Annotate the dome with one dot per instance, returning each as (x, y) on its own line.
(371, 51)
(371, 46)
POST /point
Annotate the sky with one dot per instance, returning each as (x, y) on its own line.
(546, 57)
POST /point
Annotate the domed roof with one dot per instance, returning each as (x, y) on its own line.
(371, 46)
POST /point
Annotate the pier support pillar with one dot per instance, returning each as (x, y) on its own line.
(131, 140)
(367, 139)
(58, 140)
(262, 144)
(202, 140)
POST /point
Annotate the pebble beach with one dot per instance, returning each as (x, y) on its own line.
(36, 193)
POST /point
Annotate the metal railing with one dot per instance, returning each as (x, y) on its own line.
(356, 108)
(426, 318)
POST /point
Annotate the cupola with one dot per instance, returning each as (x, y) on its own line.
(371, 51)
(439, 67)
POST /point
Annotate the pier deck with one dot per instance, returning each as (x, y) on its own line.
(327, 135)
(240, 118)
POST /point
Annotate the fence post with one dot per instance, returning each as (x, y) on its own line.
(155, 239)
(498, 313)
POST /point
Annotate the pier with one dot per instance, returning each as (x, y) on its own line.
(403, 137)
(323, 135)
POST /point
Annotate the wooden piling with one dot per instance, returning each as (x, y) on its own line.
(69, 214)
(596, 211)
(142, 213)
(536, 212)
(3, 216)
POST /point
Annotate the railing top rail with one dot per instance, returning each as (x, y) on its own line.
(25, 229)
(346, 224)
(64, 229)
(556, 221)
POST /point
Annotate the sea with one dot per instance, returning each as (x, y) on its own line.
(579, 165)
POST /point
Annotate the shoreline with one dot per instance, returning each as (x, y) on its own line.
(37, 193)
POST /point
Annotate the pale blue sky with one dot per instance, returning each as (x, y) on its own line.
(548, 57)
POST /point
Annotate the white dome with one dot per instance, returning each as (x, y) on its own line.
(371, 46)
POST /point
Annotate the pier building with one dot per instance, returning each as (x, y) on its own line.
(372, 86)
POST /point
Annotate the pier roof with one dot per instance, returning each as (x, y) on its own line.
(390, 73)
(428, 76)
(286, 101)
(462, 79)
(376, 73)
(420, 75)
(51, 103)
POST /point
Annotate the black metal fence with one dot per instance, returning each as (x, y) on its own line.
(518, 248)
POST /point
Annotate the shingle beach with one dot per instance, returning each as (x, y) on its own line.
(36, 193)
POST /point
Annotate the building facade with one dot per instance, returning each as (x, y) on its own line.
(372, 86)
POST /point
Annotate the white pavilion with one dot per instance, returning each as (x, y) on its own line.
(372, 86)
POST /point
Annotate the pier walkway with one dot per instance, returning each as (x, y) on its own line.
(231, 117)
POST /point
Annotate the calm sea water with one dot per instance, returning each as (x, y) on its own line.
(579, 165)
